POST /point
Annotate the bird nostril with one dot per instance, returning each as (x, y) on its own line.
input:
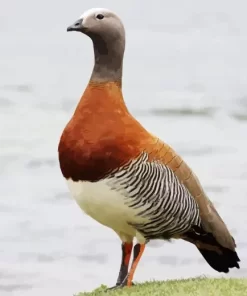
(77, 24)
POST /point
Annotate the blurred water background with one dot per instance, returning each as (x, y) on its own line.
(185, 79)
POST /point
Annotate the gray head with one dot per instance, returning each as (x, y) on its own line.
(108, 35)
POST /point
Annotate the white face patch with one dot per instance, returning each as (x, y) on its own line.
(93, 12)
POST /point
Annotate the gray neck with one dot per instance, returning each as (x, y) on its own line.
(108, 57)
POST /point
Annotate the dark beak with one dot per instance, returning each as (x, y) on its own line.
(77, 26)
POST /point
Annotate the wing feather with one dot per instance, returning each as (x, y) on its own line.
(211, 220)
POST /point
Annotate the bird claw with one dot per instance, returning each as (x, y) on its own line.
(119, 286)
(112, 288)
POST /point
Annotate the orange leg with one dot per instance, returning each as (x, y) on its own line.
(123, 272)
(138, 251)
(126, 254)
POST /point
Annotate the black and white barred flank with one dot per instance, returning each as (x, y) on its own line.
(154, 190)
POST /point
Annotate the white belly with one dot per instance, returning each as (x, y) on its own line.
(106, 206)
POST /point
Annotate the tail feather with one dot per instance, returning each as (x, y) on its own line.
(221, 262)
(219, 258)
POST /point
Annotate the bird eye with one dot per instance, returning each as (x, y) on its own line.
(99, 16)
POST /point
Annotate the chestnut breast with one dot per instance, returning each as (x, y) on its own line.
(101, 136)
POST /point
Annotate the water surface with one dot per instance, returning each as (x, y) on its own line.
(184, 79)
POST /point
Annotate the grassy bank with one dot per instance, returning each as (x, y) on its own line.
(191, 287)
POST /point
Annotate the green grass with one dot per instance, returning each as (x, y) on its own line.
(191, 287)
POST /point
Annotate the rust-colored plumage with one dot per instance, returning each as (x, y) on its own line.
(102, 136)
(101, 144)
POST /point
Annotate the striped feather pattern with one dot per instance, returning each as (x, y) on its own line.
(161, 198)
